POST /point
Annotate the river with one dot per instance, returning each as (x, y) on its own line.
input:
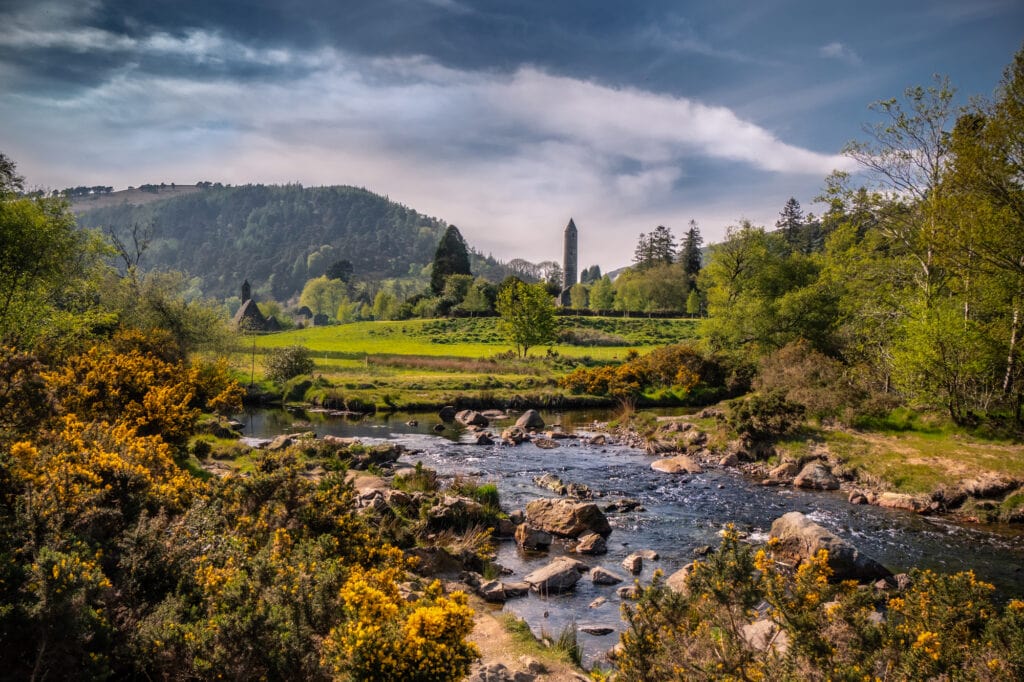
(683, 513)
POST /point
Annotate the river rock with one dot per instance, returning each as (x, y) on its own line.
(561, 575)
(648, 554)
(624, 504)
(454, 512)
(514, 435)
(816, 476)
(599, 439)
(438, 428)
(989, 484)
(596, 630)
(902, 501)
(781, 474)
(483, 439)
(567, 518)
(281, 442)
(629, 592)
(530, 419)
(545, 443)
(492, 591)
(471, 418)
(505, 529)
(447, 413)
(602, 576)
(597, 603)
(634, 563)
(799, 539)
(681, 464)
(764, 634)
(516, 589)
(532, 538)
(729, 460)
(677, 581)
(591, 543)
(857, 497)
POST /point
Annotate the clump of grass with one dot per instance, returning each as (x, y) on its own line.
(421, 480)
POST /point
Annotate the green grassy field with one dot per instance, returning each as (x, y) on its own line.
(475, 338)
(429, 362)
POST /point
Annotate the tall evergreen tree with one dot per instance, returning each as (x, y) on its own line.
(791, 223)
(690, 253)
(642, 253)
(451, 258)
(663, 246)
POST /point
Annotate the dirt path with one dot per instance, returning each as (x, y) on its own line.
(498, 646)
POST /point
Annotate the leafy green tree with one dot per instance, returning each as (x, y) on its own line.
(285, 363)
(602, 294)
(451, 258)
(49, 270)
(693, 303)
(340, 269)
(385, 306)
(527, 314)
(657, 287)
(905, 159)
(578, 296)
(323, 295)
(476, 301)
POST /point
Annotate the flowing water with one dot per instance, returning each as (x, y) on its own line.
(682, 513)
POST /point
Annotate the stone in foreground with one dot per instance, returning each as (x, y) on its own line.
(799, 539)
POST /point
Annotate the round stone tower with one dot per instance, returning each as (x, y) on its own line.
(570, 262)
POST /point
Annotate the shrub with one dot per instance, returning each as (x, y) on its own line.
(942, 627)
(766, 416)
(286, 363)
(805, 376)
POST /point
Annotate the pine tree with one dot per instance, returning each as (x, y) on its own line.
(690, 253)
(791, 222)
(451, 258)
(663, 246)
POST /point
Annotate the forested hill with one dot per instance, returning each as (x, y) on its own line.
(277, 237)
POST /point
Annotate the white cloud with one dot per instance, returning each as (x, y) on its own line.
(509, 158)
(844, 53)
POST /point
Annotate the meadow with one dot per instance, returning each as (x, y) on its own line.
(414, 364)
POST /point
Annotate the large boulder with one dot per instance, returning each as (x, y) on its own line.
(530, 419)
(816, 476)
(602, 576)
(799, 539)
(561, 575)
(531, 538)
(989, 484)
(677, 581)
(455, 512)
(514, 435)
(567, 518)
(634, 563)
(680, 464)
(447, 413)
(902, 501)
(471, 418)
(591, 543)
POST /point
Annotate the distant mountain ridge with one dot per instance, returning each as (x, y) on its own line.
(276, 236)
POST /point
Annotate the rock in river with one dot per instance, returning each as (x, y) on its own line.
(816, 476)
(561, 575)
(680, 464)
(530, 419)
(567, 518)
(800, 539)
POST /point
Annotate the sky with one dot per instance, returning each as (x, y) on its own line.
(503, 118)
